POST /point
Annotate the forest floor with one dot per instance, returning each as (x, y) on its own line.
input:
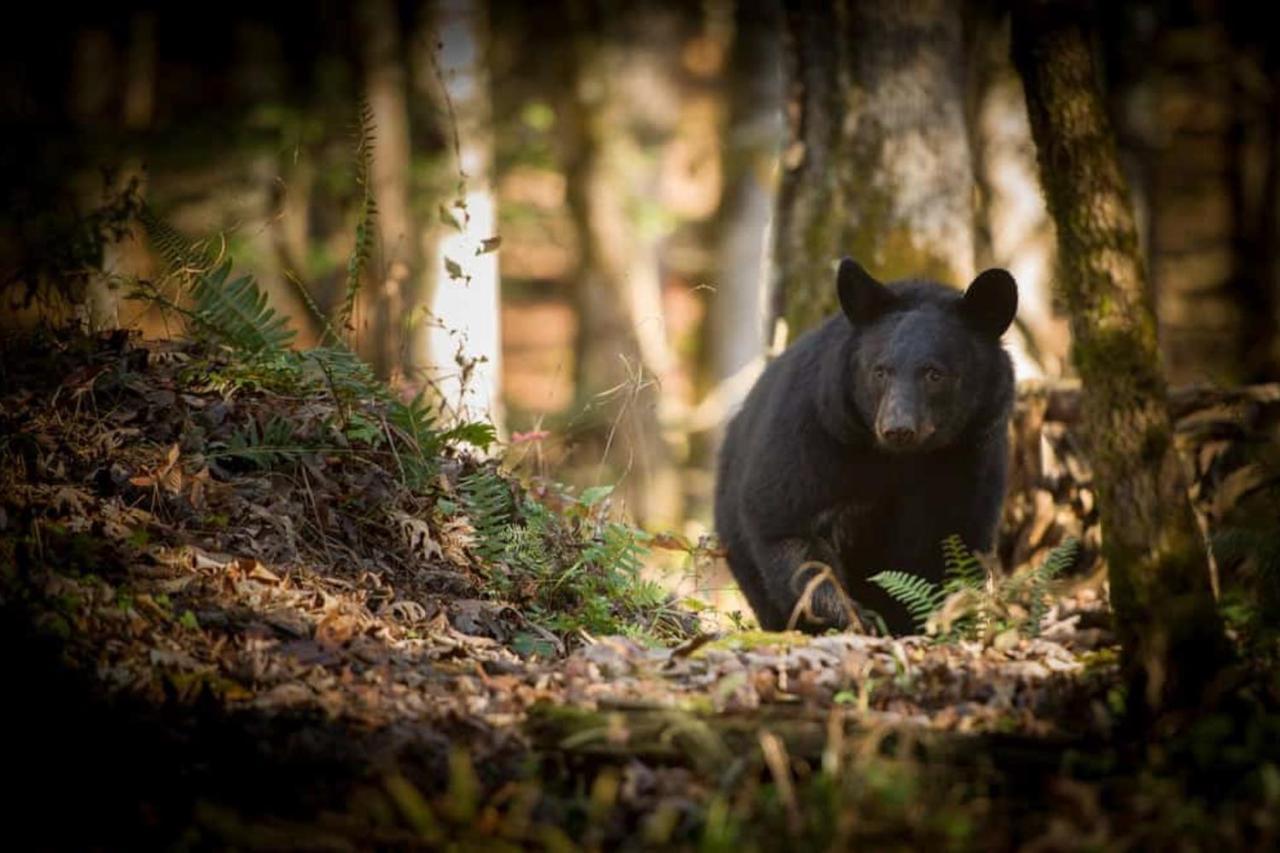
(222, 639)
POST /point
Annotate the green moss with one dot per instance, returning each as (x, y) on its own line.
(1121, 357)
(741, 641)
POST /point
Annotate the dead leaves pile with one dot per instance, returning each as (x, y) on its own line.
(326, 587)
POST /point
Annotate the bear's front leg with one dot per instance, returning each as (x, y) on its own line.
(963, 499)
(801, 578)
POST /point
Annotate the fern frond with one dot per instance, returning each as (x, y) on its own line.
(366, 218)
(919, 596)
(1062, 557)
(328, 333)
(478, 433)
(416, 420)
(348, 377)
(236, 312)
(526, 548)
(489, 504)
(267, 446)
(182, 255)
(962, 568)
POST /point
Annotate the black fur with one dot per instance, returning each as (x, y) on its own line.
(865, 444)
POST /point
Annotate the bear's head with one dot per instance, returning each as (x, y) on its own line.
(926, 358)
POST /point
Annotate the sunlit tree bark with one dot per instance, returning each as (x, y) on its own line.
(1012, 229)
(1161, 596)
(811, 198)
(738, 322)
(466, 347)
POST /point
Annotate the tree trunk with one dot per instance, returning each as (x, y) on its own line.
(92, 100)
(466, 345)
(878, 163)
(1012, 226)
(396, 267)
(260, 76)
(622, 346)
(737, 317)
(811, 199)
(1164, 609)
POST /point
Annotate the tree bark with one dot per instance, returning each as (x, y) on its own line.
(737, 317)
(1012, 227)
(1164, 610)
(878, 163)
(92, 101)
(397, 266)
(465, 304)
(811, 199)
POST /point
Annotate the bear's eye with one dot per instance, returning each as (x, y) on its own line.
(880, 372)
(932, 374)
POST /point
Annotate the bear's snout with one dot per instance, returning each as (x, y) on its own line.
(899, 426)
(901, 436)
(904, 436)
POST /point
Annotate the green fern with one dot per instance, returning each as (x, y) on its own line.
(181, 254)
(266, 446)
(366, 218)
(961, 567)
(487, 498)
(1060, 559)
(343, 373)
(963, 571)
(919, 596)
(525, 547)
(620, 546)
(417, 422)
(988, 609)
(236, 312)
(479, 434)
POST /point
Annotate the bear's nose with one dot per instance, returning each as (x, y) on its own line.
(900, 436)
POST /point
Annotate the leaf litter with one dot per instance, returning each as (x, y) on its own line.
(323, 595)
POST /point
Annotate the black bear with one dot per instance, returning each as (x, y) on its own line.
(866, 443)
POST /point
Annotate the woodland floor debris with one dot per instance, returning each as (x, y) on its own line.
(312, 653)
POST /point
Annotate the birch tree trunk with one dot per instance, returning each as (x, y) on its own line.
(1160, 589)
(465, 304)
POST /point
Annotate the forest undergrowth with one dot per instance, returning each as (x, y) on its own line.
(253, 597)
(255, 604)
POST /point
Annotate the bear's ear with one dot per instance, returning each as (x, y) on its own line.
(862, 298)
(991, 301)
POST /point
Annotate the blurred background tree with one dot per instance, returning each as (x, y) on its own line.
(590, 215)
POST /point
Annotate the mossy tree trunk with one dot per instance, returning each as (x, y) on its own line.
(877, 164)
(806, 225)
(1169, 627)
